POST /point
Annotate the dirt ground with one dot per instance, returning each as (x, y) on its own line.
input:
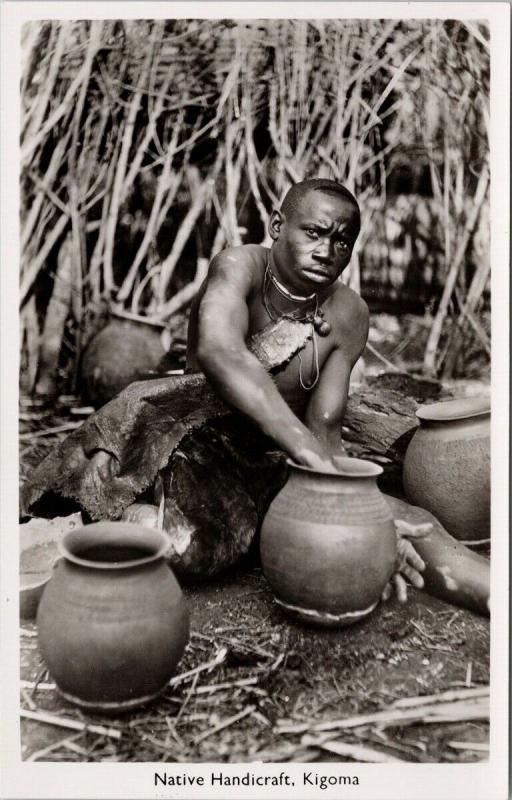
(281, 673)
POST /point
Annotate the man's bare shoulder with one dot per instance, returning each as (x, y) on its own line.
(349, 316)
(348, 307)
(242, 261)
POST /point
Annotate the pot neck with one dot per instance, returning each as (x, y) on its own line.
(353, 472)
(113, 546)
(473, 420)
(460, 411)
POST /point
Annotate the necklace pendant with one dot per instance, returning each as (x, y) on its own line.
(321, 326)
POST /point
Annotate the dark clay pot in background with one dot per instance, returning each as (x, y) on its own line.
(328, 543)
(112, 622)
(118, 355)
(447, 466)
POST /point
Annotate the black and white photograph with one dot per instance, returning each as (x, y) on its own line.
(255, 281)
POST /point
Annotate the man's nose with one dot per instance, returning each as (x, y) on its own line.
(323, 249)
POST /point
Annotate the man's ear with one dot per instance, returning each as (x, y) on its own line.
(274, 224)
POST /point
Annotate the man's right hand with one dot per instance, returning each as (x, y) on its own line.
(316, 459)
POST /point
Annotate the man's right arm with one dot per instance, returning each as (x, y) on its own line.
(237, 375)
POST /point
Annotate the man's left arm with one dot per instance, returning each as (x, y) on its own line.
(328, 402)
(327, 405)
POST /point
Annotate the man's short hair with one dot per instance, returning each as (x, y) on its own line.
(299, 190)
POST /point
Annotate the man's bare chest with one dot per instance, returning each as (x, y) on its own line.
(298, 378)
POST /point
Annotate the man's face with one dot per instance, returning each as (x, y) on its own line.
(314, 242)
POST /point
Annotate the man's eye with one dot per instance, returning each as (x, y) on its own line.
(312, 233)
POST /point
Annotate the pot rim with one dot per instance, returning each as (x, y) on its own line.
(460, 408)
(117, 534)
(348, 468)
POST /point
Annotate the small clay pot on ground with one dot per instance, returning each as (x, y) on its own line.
(447, 466)
(112, 622)
(328, 543)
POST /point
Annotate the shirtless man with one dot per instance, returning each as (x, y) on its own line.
(302, 407)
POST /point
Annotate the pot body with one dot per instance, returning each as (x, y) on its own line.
(447, 469)
(116, 357)
(112, 622)
(328, 543)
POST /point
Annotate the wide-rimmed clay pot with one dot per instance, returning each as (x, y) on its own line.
(112, 622)
(328, 543)
(447, 465)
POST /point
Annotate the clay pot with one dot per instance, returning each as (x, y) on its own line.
(118, 355)
(447, 465)
(112, 621)
(328, 543)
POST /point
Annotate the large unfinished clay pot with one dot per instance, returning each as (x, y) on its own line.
(328, 543)
(447, 465)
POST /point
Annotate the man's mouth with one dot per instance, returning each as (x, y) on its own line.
(317, 273)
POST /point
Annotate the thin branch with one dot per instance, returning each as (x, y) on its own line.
(28, 150)
(73, 724)
(225, 724)
(165, 184)
(185, 296)
(119, 180)
(168, 266)
(149, 135)
(31, 272)
(56, 162)
(437, 326)
(43, 98)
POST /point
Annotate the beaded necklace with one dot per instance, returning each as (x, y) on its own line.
(314, 316)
